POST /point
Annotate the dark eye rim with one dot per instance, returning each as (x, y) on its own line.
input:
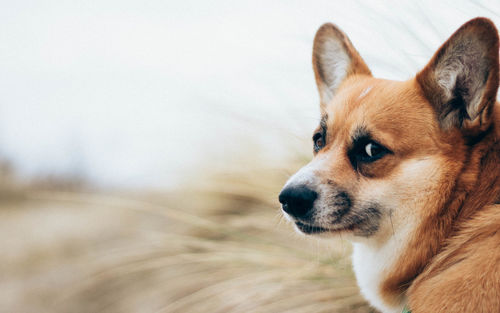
(358, 155)
(365, 158)
(317, 136)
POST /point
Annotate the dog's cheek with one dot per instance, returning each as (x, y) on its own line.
(411, 188)
(380, 168)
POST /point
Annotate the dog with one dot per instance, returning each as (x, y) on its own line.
(409, 172)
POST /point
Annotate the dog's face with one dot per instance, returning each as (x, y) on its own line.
(386, 153)
(372, 168)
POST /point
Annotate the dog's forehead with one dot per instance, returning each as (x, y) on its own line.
(356, 93)
(376, 104)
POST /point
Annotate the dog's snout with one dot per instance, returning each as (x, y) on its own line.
(297, 200)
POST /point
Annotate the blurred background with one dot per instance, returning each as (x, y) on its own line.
(143, 145)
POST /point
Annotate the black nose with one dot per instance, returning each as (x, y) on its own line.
(297, 200)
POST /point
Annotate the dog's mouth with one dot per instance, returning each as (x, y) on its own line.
(363, 225)
(310, 229)
(313, 229)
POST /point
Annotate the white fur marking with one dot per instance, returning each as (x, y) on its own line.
(307, 174)
(365, 92)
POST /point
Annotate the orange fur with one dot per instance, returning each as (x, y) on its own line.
(436, 235)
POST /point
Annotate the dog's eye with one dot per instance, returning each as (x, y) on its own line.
(371, 151)
(364, 150)
(319, 141)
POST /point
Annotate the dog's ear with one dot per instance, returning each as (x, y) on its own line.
(461, 79)
(334, 59)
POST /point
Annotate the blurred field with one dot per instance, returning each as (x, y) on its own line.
(219, 245)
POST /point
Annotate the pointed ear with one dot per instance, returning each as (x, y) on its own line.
(461, 80)
(334, 59)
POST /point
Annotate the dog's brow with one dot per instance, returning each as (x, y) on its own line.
(359, 133)
(322, 123)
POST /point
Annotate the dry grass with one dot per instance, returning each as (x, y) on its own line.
(219, 246)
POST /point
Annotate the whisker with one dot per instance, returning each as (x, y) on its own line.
(392, 225)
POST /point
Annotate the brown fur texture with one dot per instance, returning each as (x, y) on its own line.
(435, 188)
(457, 226)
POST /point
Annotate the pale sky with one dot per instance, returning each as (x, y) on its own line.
(139, 93)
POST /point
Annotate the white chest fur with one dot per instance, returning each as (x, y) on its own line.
(371, 266)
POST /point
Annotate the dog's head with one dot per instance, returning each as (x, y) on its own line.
(387, 153)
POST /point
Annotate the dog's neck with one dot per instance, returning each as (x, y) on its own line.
(385, 272)
(372, 263)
